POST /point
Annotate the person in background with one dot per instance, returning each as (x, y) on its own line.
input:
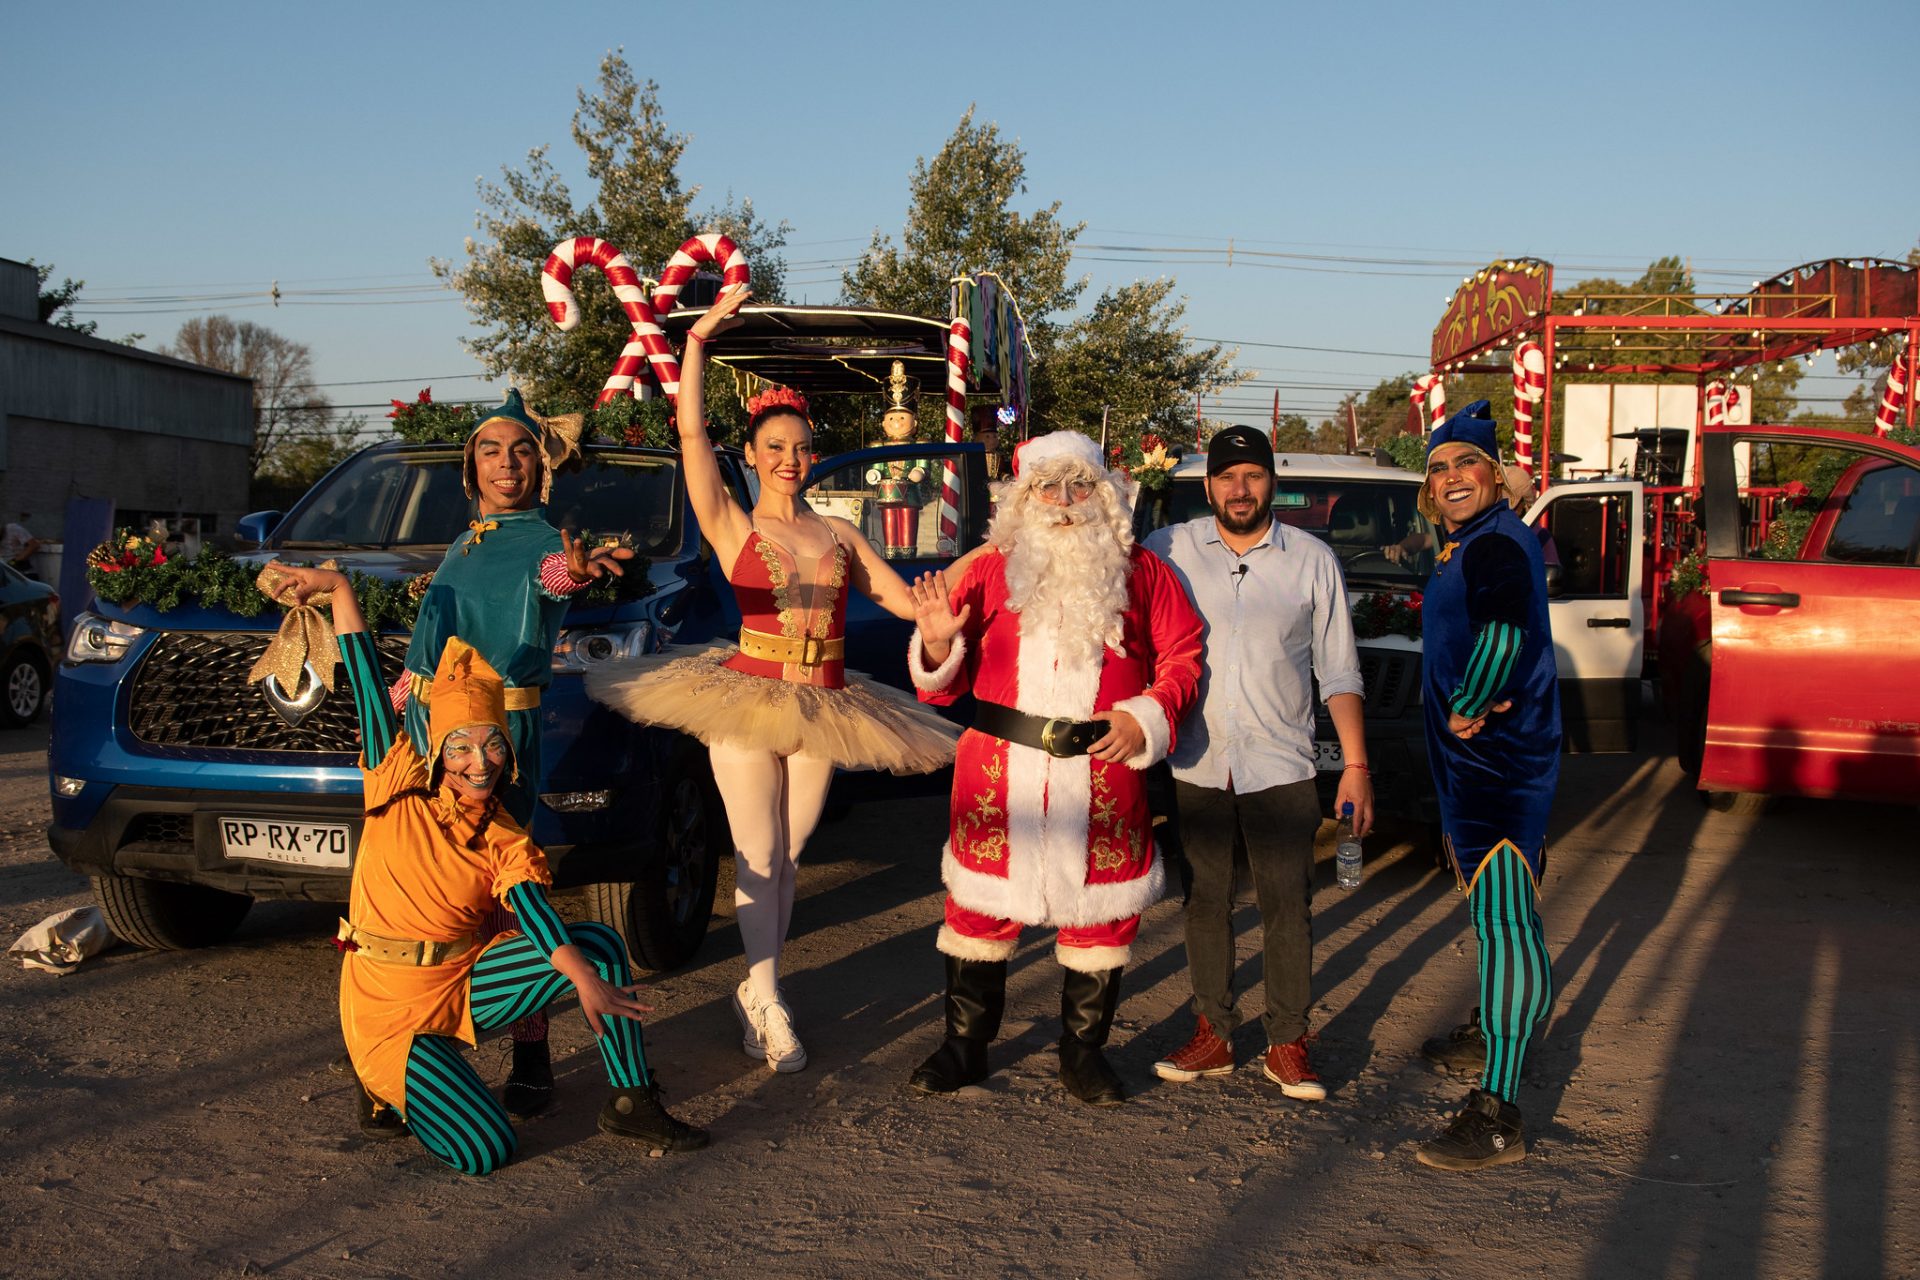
(1276, 615)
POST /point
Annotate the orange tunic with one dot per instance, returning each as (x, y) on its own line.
(419, 875)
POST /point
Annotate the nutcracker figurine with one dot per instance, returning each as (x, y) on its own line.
(896, 485)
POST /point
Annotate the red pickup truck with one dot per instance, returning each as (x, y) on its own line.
(1796, 671)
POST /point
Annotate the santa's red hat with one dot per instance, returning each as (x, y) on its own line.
(1058, 444)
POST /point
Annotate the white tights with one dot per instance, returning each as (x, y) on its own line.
(773, 803)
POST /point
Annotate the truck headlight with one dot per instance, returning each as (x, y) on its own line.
(98, 639)
(582, 647)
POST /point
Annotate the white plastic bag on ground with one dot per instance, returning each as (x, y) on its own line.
(60, 942)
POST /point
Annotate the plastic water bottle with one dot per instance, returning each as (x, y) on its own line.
(1346, 854)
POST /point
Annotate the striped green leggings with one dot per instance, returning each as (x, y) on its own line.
(1516, 976)
(449, 1108)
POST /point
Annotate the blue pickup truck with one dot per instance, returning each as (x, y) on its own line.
(186, 793)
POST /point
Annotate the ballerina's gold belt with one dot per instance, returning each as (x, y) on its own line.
(519, 697)
(799, 651)
(376, 946)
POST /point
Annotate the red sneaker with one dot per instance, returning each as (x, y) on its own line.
(1204, 1055)
(1288, 1066)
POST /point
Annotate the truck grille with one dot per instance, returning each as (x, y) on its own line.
(1392, 679)
(192, 691)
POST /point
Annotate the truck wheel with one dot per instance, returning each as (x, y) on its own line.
(23, 690)
(1738, 803)
(165, 915)
(663, 915)
(1690, 735)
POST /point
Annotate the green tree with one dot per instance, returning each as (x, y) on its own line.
(56, 304)
(1127, 359)
(1294, 435)
(288, 411)
(1124, 355)
(639, 206)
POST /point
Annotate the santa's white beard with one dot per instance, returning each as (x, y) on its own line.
(1067, 581)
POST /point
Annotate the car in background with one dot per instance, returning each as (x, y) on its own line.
(1791, 671)
(29, 644)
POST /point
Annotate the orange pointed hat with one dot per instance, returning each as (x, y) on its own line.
(466, 691)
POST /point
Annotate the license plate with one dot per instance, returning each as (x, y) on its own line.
(306, 844)
(1327, 757)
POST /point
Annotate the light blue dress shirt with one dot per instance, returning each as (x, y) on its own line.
(1275, 618)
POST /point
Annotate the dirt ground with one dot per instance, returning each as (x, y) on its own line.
(1727, 1086)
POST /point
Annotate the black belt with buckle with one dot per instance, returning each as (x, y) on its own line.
(1056, 737)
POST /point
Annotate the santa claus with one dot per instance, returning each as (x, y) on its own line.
(1082, 653)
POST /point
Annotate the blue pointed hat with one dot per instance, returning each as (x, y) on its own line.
(1473, 425)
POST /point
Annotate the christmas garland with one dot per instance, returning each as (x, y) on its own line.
(129, 569)
(1387, 613)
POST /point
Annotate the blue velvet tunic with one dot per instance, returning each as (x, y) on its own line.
(1497, 785)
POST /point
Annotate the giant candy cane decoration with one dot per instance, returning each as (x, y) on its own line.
(1716, 407)
(649, 341)
(1529, 385)
(556, 286)
(959, 350)
(1894, 398)
(1431, 393)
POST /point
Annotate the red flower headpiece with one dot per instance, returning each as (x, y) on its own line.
(778, 398)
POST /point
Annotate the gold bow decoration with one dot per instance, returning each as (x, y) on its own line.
(305, 636)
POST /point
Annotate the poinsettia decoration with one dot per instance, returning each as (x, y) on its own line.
(1387, 613)
(425, 420)
(1151, 464)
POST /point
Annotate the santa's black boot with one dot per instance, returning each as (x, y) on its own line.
(1087, 1003)
(976, 997)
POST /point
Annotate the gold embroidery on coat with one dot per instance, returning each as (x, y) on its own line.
(1113, 841)
(987, 819)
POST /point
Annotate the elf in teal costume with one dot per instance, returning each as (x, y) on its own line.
(504, 589)
(1492, 706)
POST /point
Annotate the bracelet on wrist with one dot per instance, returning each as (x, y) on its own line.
(695, 337)
(1361, 767)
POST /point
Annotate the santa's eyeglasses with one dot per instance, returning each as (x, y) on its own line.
(1062, 493)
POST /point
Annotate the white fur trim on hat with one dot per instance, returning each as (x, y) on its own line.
(1058, 444)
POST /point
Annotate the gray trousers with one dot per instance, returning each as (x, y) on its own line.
(1277, 827)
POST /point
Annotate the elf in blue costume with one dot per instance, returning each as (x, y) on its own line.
(504, 588)
(1493, 737)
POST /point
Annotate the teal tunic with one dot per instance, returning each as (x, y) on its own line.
(487, 591)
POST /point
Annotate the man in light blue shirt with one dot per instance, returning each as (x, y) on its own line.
(1275, 611)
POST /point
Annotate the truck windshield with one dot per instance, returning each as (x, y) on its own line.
(1372, 525)
(384, 499)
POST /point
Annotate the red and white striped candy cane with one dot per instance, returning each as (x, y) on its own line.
(708, 247)
(1431, 394)
(556, 286)
(1894, 398)
(1716, 406)
(1529, 386)
(959, 351)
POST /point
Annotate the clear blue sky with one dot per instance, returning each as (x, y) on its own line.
(197, 148)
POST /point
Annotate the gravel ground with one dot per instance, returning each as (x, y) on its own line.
(1726, 1088)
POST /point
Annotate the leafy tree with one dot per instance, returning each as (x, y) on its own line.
(1294, 435)
(56, 304)
(639, 206)
(1125, 354)
(289, 413)
(1128, 358)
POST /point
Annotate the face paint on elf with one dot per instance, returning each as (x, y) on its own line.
(473, 759)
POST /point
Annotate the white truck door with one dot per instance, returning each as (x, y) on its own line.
(1593, 531)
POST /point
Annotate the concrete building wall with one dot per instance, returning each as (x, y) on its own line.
(82, 417)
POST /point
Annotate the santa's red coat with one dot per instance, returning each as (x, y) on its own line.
(1048, 840)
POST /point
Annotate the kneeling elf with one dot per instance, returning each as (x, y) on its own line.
(436, 853)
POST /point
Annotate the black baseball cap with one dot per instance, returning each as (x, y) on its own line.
(1238, 444)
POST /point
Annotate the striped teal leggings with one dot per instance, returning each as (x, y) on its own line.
(1516, 976)
(449, 1108)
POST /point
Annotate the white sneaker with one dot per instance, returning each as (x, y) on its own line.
(784, 1050)
(752, 1017)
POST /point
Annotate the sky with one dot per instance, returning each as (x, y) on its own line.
(202, 152)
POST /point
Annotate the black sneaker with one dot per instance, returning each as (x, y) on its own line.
(637, 1113)
(1486, 1133)
(378, 1121)
(529, 1088)
(1463, 1049)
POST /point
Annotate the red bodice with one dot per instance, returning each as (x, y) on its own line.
(780, 597)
